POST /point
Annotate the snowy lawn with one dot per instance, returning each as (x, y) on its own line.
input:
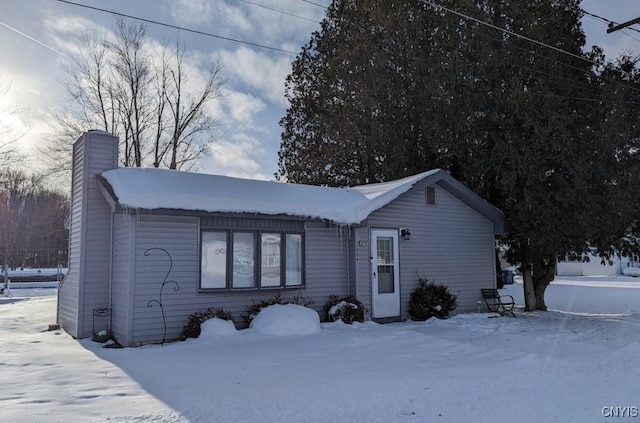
(561, 366)
(44, 271)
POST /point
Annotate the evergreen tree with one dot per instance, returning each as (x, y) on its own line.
(388, 89)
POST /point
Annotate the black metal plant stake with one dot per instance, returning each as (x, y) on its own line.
(164, 282)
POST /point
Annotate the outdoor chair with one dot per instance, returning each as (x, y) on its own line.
(496, 303)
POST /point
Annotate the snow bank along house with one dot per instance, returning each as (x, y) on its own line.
(233, 240)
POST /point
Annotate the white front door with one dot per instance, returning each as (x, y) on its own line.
(385, 274)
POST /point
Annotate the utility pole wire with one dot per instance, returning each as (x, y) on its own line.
(315, 4)
(506, 31)
(613, 28)
(177, 27)
(608, 21)
(276, 10)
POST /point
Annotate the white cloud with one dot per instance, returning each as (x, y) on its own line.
(242, 107)
(238, 157)
(70, 34)
(192, 12)
(278, 28)
(68, 24)
(228, 19)
(259, 71)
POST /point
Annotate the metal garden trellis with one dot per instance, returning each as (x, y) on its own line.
(165, 281)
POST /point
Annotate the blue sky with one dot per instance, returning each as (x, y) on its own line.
(45, 33)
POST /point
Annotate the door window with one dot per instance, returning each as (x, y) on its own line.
(386, 283)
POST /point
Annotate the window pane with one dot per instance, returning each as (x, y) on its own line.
(270, 264)
(385, 250)
(385, 280)
(385, 265)
(244, 275)
(294, 259)
(214, 260)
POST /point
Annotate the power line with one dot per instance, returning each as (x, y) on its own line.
(208, 34)
(315, 4)
(506, 31)
(542, 56)
(527, 39)
(610, 23)
(279, 11)
(530, 51)
(607, 21)
(591, 100)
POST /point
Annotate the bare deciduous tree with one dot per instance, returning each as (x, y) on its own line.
(9, 135)
(31, 221)
(192, 127)
(124, 84)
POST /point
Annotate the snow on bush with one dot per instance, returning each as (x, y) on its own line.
(631, 271)
(255, 308)
(217, 327)
(287, 319)
(193, 327)
(342, 304)
(346, 309)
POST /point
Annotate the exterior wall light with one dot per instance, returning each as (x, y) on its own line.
(405, 234)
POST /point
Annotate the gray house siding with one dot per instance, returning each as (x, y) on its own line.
(97, 238)
(87, 286)
(69, 297)
(326, 270)
(117, 255)
(450, 244)
(178, 235)
(327, 263)
(124, 227)
(362, 267)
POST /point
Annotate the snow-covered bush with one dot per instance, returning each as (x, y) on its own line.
(286, 319)
(217, 327)
(193, 327)
(431, 300)
(347, 309)
(253, 310)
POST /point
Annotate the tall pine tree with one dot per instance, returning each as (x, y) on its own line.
(391, 88)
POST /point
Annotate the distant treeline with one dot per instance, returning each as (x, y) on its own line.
(32, 217)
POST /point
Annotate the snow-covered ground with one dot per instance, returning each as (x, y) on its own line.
(578, 363)
(40, 271)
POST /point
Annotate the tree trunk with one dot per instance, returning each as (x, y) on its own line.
(529, 289)
(546, 272)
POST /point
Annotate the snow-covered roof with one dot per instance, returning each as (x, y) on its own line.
(152, 189)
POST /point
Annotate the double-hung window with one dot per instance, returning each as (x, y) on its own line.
(251, 259)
